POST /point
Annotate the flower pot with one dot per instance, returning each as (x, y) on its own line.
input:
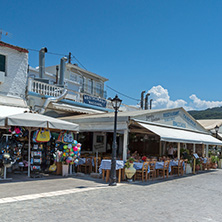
(188, 169)
(197, 167)
(65, 170)
(214, 165)
(130, 171)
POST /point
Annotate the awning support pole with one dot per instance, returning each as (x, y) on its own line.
(29, 152)
(178, 151)
(125, 147)
(203, 153)
(194, 148)
(207, 150)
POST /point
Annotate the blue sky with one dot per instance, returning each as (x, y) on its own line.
(173, 49)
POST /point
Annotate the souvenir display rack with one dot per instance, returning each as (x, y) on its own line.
(36, 160)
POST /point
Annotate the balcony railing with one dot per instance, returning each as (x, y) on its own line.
(44, 88)
(55, 91)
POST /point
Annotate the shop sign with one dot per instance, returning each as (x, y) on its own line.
(94, 101)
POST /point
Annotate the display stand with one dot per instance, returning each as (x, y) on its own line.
(194, 162)
(5, 168)
(36, 161)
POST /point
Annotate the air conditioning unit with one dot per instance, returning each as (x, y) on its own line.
(2, 77)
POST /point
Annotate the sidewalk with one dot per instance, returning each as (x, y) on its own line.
(22, 185)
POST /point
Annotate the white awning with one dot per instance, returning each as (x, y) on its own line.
(9, 110)
(38, 120)
(73, 109)
(181, 135)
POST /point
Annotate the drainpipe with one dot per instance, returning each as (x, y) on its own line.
(42, 62)
(53, 99)
(62, 71)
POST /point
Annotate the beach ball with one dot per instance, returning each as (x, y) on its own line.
(78, 145)
(74, 142)
(75, 148)
(71, 154)
(70, 146)
(65, 147)
(79, 149)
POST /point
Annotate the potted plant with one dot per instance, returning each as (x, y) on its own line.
(129, 169)
(214, 160)
(197, 167)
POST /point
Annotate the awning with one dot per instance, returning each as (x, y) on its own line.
(9, 110)
(38, 120)
(73, 109)
(171, 134)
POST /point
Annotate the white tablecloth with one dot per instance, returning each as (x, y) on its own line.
(83, 161)
(106, 165)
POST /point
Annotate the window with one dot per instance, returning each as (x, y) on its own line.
(2, 63)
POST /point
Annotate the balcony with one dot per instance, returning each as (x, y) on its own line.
(46, 89)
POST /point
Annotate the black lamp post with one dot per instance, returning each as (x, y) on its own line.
(216, 130)
(116, 102)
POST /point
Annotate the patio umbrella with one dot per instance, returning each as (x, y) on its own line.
(34, 120)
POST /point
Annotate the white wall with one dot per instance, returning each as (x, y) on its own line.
(16, 70)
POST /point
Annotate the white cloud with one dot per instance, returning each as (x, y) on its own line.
(161, 100)
(203, 104)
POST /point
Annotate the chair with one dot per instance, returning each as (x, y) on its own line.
(143, 172)
(87, 166)
(152, 172)
(178, 168)
(98, 163)
(165, 169)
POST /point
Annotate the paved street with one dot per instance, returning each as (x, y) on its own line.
(192, 198)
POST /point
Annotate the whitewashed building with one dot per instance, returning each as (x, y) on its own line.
(145, 131)
(13, 78)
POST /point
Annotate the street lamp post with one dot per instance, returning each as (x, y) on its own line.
(116, 102)
(216, 130)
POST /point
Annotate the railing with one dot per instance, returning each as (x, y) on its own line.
(44, 88)
(55, 91)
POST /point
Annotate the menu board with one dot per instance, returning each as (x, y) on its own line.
(195, 155)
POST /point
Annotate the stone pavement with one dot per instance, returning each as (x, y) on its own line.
(189, 198)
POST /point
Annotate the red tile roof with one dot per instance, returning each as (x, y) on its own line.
(13, 47)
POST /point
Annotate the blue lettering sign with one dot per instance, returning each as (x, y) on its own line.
(94, 101)
(190, 121)
(179, 124)
(171, 114)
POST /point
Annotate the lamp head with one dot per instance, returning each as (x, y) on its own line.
(116, 102)
(216, 128)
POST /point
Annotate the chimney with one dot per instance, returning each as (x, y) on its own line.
(42, 62)
(146, 100)
(141, 100)
(62, 70)
(151, 103)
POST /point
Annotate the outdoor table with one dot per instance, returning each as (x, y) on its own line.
(175, 163)
(139, 166)
(159, 165)
(106, 167)
(83, 161)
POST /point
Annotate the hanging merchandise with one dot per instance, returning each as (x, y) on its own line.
(41, 136)
(60, 137)
(71, 153)
(68, 137)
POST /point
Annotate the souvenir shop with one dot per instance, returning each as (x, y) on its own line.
(36, 151)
